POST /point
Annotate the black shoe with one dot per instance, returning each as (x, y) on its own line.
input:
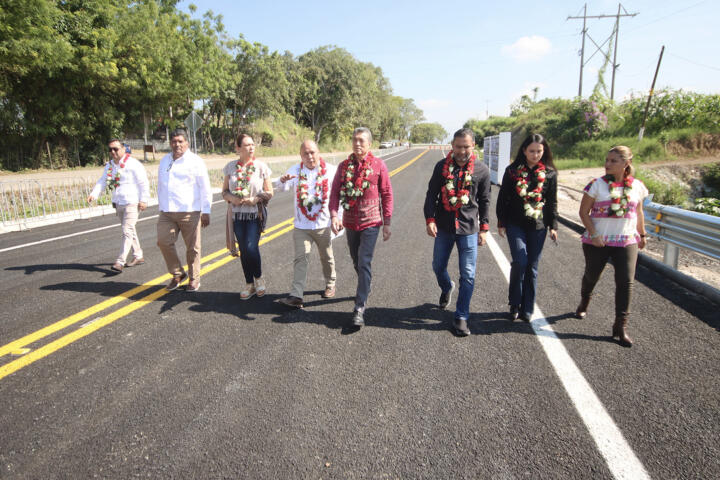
(446, 297)
(525, 317)
(461, 328)
(514, 310)
(357, 319)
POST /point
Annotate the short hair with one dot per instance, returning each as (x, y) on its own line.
(626, 154)
(308, 141)
(360, 130)
(113, 140)
(464, 132)
(180, 132)
(241, 137)
(547, 157)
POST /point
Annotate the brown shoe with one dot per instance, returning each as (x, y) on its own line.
(193, 285)
(135, 261)
(117, 267)
(329, 292)
(293, 302)
(176, 281)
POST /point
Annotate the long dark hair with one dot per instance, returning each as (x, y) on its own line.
(547, 157)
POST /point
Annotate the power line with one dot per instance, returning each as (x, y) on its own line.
(614, 35)
(694, 62)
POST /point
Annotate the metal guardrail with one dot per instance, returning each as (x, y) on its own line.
(696, 231)
(30, 203)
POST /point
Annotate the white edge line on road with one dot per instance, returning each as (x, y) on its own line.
(620, 458)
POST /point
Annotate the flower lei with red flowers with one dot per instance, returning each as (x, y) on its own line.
(354, 183)
(113, 174)
(619, 192)
(304, 200)
(455, 194)
(242, 176)
(532, 199)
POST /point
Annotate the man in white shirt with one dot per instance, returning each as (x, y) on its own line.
(184, 200)
(126, 178)
(312, 180)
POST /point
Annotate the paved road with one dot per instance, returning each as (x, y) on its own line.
(116, 379)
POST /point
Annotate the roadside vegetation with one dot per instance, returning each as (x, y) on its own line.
(582, 131)
(74, 74)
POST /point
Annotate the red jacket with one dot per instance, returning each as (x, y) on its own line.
(375, 206)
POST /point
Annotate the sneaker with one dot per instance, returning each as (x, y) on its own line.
(117, 267)
(176, 281)
(193, 286)
(292, 302)
(259, 287)
(247, 292)
(514, 311)
(358, 320)
(460, 326)
(329, 292)
(446, 297)
(135, 261)
(525, 317)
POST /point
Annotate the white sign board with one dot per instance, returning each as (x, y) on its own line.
(496, 155)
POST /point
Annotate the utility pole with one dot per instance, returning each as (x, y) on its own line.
(613, 34)
(652, 89)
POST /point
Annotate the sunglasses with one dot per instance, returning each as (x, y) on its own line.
(114, 149)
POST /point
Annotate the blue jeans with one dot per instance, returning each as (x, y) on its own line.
(525, 247)
(362, 247)
(467, 258)
(247, 233)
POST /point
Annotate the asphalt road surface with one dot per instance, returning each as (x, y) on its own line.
(109, 376)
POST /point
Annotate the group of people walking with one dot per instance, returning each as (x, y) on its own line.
(356, 199)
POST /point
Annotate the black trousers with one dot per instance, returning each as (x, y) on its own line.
(624, 260)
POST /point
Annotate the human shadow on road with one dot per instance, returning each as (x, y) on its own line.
(575, 336)
(84, 267)
(421, 317)
(106, 289)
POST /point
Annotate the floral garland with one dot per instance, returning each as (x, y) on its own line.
(619, 192)
(242, 177)
(455, 195)
(353, 185)
(532, 199)
(304, 200)
(113, 179)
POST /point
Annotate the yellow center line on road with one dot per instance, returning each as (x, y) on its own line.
(17, 345)
(31, 356)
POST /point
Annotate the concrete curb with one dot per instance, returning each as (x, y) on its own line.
(685, 281)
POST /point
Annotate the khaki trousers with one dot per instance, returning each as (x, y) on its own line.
(303, 246)
(128, 215)
(188, 224)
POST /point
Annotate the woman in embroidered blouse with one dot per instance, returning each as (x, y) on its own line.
(612, 213)
(526, 210)
(246, 187)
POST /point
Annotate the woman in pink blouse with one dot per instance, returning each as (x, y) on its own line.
(612, 213)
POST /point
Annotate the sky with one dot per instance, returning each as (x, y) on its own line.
(463, 60)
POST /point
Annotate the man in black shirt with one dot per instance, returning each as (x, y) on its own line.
(456, 213)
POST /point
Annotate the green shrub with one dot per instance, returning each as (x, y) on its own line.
(711, 176)
(665, 193)
(711, 206)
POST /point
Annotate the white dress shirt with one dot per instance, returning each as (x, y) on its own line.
(134, 186)
(301, 221)
(183, 184)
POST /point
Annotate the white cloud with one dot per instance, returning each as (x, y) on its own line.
(529, 48)
(430, 103)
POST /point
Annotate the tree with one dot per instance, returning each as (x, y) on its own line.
(427, 133)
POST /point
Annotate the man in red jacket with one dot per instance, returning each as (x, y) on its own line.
(362, 189)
